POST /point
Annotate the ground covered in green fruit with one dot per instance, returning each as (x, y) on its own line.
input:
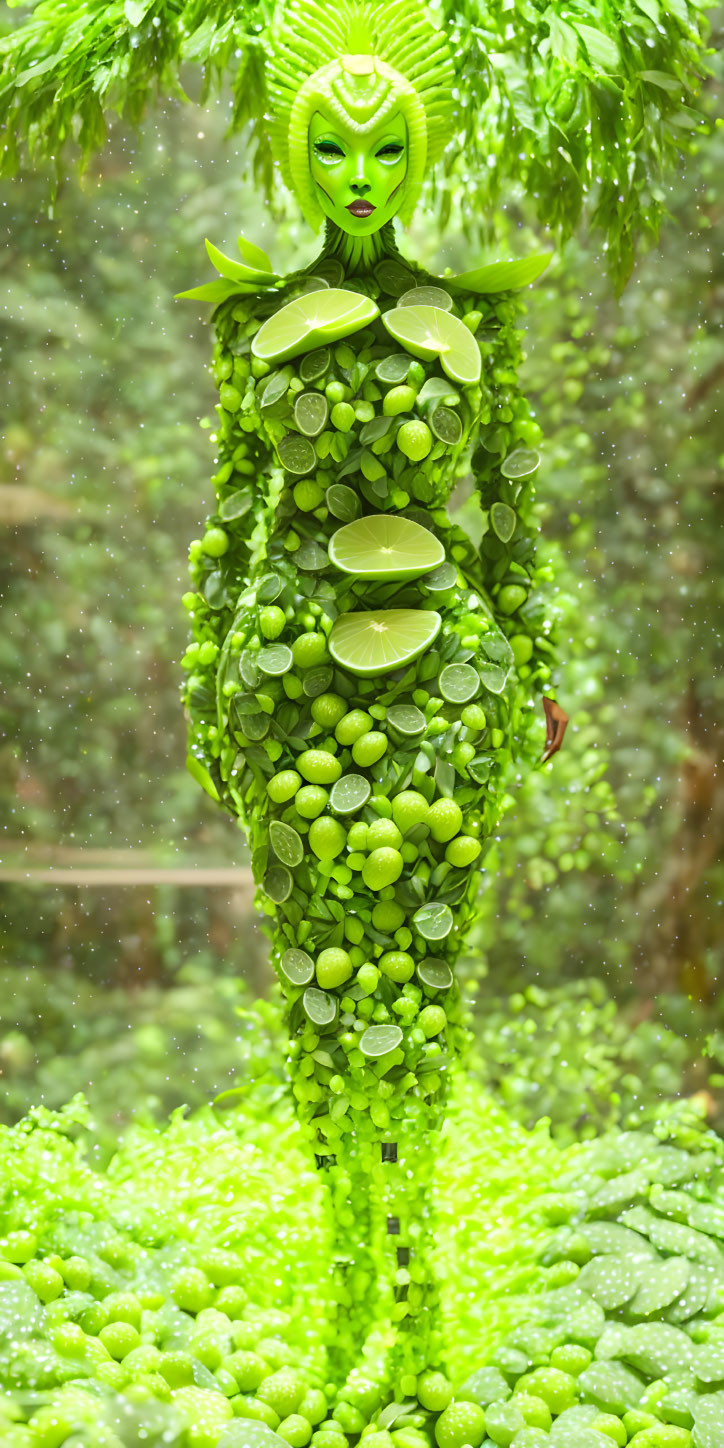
(186, 1295)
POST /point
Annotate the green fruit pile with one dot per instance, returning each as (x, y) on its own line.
(361, 685)
(165, 1301)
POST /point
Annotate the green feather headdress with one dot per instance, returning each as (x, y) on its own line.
(359, 62)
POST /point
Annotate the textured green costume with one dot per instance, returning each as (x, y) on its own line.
(363, 681)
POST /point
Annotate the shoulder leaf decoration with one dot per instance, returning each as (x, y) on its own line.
(238, 278)
(502, 276)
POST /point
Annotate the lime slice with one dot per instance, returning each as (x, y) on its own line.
(315, 364)
(320, 1007)
(375, 643)
(446, 426)
(384, 545)
(349, 793)
(275, 660)
(393, 277)
(407, 719)
(431, 332)
(330, 270)
(343, 502)
(502, 276)
(503, 520)
(297, 966)
(435, 974)
(378, 1040)
(442, 580)
(433, 921)
(286, 843)
(393, 368)
(321, 316)
(520, 464)
(459, 683)
(426, 297)
(310, 412)
(317, 682)
(277, 884)
(297, 454)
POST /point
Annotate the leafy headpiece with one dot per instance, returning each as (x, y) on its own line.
(359, 62)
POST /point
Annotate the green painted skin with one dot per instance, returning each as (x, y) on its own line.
(357, 870)
(349, 169)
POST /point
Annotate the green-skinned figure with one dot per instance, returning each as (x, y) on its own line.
(364, 683)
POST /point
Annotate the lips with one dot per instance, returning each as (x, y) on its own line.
(360, 208)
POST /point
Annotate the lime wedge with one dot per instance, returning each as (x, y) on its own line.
(431, 332)
(384, 545)
(375, 643)
(309, 321)
(502, 276)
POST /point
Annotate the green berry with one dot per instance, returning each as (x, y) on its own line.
(445, 818)
(409, 808)
(334, 966)
(342, 416)
(414, 439)
(369, 748)
(318, 766)
(283, 786)
(44, 1280)
(328, 709)
(434, 1391)
(510, 597)
(473, 717)
(310, 800)
(215, 542)
(327, 838)
(272, 621)
(120, 1338)
(522, 646)
(368, 977)
(352, 726)
(383, 832)
(460, 1424)
(399, 399)
(387, 916)
(309, 650)
(357, 835)
(462, 851)
(397, 965)
(295, 1430)
(382, 868)
(432, 1020)
(308, 495)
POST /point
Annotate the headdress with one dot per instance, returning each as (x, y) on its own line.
(358, 61)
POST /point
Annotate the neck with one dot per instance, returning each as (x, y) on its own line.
(359, 253)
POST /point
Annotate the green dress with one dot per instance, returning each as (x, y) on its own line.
(369, 780)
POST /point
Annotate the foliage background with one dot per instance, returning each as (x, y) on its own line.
(597, 961)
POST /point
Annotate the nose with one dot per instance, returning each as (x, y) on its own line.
(360, 186)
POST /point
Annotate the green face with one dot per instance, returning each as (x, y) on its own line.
(358, 177)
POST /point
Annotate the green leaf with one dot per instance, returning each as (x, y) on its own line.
(252, 255)
(211, 292)
(502, 276)
(134, 10)
(200, 773)
(236, 270)
(662, 79)
(611, 1387)
(602, 50)
(708, 1431)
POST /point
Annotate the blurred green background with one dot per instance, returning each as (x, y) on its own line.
(595, 968)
